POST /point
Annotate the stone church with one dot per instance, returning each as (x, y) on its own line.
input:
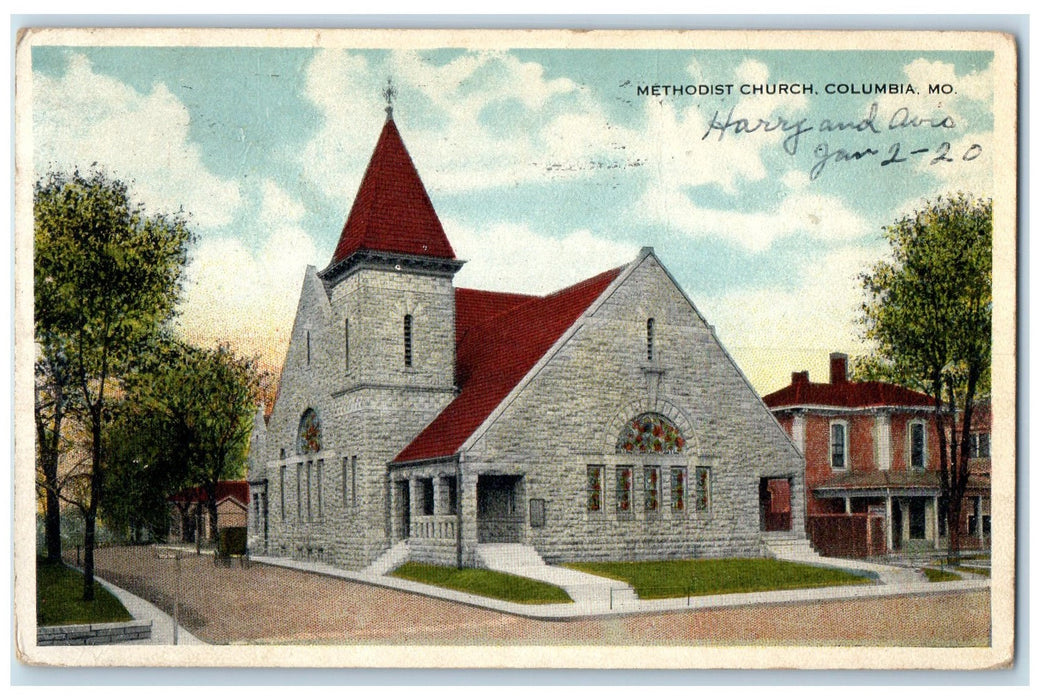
(419, 420)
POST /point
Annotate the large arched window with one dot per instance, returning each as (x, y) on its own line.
(650, 433)
(308, 436)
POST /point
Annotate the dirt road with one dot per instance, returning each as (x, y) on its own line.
(267, 604)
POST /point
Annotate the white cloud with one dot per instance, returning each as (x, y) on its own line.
(773, 332)
(277, 206)
(233, 294)
(458, 152)
(84, 117)
(549, 263)
(572, 137)
(801, 212)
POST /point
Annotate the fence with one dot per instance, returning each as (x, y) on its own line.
(847, 534)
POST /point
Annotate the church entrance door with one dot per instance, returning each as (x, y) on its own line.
(403, 508)
(774, 504)
(499, 513)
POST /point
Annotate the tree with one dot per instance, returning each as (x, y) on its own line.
(51, 406)
(106, 277)
(144, 466)
(928, 313)
(206, 399)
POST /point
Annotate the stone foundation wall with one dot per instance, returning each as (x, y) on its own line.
(97, 633)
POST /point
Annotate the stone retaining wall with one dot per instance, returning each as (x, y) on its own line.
(98, 633)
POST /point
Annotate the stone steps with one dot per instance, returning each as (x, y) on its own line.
(389, 560)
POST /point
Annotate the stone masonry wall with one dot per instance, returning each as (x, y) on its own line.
(571, 414)
(370, 406)
(97, 633)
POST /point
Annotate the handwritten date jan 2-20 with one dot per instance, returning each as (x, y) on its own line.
(896, 153)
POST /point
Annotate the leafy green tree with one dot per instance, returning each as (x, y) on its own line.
(144, 467)
(107, 276)
(206, 398)
(928, 312)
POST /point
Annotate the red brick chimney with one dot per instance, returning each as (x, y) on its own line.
(800, 378)
(839, 368)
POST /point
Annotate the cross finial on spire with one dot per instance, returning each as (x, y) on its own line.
(390, 92)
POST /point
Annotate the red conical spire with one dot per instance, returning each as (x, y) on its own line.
(392, 212)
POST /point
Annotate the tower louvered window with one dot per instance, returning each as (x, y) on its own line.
(650, 339)
(408, 340)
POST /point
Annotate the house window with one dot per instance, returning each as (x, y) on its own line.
(346, 344)
(310, 468)
(281, 490)
(651, 490)
(408, 340)
(344, 481)
(317, 475)
(299, 492)
(623, 490)
(839, 445)
(594, 488)
(917, 446)
(703, 489)
(650, 433)
(978, 446)
(678, 489)
(650, 339)
(353, 481)
(308, 435)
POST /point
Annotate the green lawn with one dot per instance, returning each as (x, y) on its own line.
(492, 584)
(979, 571)
(940, 575)
(59, 598)
(672, 579)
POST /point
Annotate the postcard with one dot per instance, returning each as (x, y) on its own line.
(515, 349)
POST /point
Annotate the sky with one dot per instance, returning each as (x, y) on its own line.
(544, 166)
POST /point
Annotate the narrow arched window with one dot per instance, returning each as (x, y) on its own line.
(649, 339)
(308, 348)
(408, 340)
(346, 345)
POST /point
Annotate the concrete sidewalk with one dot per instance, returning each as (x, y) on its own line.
(623, 605)
(142, 610)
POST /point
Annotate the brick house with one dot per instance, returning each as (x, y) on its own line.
(190, 514)
(413, 418)
(872, 464)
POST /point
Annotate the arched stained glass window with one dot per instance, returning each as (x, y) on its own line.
(650, 433)
(308, 437)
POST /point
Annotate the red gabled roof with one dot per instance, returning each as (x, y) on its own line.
(494, 355)
(392, 212)
(845, 395)
(238, 490)
(476, 306)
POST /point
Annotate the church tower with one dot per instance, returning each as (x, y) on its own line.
(391, 323)
(390, 280)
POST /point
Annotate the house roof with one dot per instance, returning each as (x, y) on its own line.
(392, 212)
(890, 479)
(237, 490)
(510, 333)
(476, 306)
(845, 395)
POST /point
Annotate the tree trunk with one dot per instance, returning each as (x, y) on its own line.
(89, 520)
(90, 516)
(953, 527)
(212, 506)
(52, 522)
